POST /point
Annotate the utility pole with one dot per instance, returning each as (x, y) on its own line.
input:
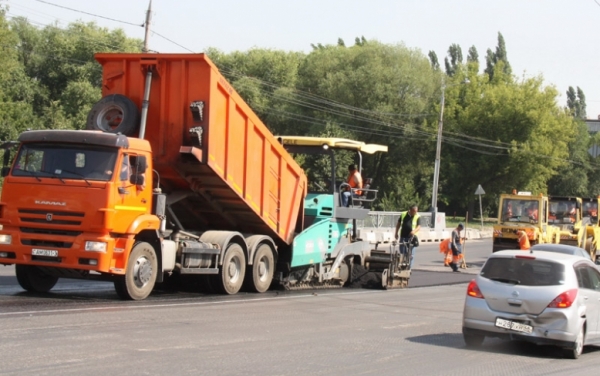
(147, 24)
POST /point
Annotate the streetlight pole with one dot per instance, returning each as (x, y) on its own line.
(438, 150)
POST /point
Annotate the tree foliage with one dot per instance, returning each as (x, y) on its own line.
(576, 102)
(49, 78)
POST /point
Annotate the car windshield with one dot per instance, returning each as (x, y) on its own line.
(65, 161)
(524, 271)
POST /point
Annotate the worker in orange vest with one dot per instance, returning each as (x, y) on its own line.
(523, 240)
(355, 182)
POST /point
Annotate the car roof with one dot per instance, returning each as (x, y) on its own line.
(540, 255)
(563, 248)
(557, 247)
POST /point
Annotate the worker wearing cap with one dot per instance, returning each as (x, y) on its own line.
(456, 247)
(523, 240)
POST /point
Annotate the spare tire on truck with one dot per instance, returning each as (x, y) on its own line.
(115, 114)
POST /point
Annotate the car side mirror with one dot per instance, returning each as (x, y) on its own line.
(5, 171)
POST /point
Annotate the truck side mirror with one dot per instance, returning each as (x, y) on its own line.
(5, 171)
(139, 164)
(137, 179)
(6, 158)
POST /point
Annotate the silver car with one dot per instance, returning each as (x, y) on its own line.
(541, 297)
(563, 248)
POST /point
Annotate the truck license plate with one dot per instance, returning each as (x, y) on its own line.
(44, 252)
(511, 325)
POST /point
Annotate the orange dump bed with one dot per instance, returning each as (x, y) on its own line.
(222, 168)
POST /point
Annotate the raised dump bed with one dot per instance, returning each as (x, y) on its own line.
(206, 140)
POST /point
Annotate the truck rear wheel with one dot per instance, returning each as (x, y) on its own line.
(140, 276)
(33, 279)
(115, 114)
(261, 270)
(231, 274)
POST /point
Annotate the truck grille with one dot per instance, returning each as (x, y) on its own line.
(46, 243)
(50, 217)
(47, 231)
(35, 236)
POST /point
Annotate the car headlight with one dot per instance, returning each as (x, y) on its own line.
(5, 239)
(95, 246)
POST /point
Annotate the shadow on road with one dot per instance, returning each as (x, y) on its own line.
(495, 345)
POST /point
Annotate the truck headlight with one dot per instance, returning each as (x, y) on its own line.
(5, 239)
(95, 246)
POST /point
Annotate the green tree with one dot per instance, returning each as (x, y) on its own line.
(60, 65)
(572, 178)
(576, 102)
(377, 94)
(433, 59)
(473, 61)
(504, 135)
(498, 59)
(456, 59)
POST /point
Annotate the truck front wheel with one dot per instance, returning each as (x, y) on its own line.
(33, 279)
(233, 269)
(140, 276)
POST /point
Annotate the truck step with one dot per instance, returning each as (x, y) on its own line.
(199, 271)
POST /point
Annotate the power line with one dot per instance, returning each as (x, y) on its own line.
(124, 22)
(89, 14)
(169, 40)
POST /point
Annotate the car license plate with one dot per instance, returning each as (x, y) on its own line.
(44, 252)
(512, 325)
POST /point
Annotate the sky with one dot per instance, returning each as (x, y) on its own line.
(558, 40)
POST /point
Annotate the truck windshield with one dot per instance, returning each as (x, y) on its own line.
(562, 211)
(520, 210)
(65, 161)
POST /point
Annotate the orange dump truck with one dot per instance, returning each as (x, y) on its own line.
(175, 175)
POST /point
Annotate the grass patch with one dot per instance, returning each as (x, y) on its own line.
(488, 223)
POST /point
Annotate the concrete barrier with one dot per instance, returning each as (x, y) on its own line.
(426, 235)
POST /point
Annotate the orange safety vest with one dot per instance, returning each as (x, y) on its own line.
(353, 177)
(446, 250)
(524, 241)
(533, 213)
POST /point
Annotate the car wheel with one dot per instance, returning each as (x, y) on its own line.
(576, 352)
(473, 340)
